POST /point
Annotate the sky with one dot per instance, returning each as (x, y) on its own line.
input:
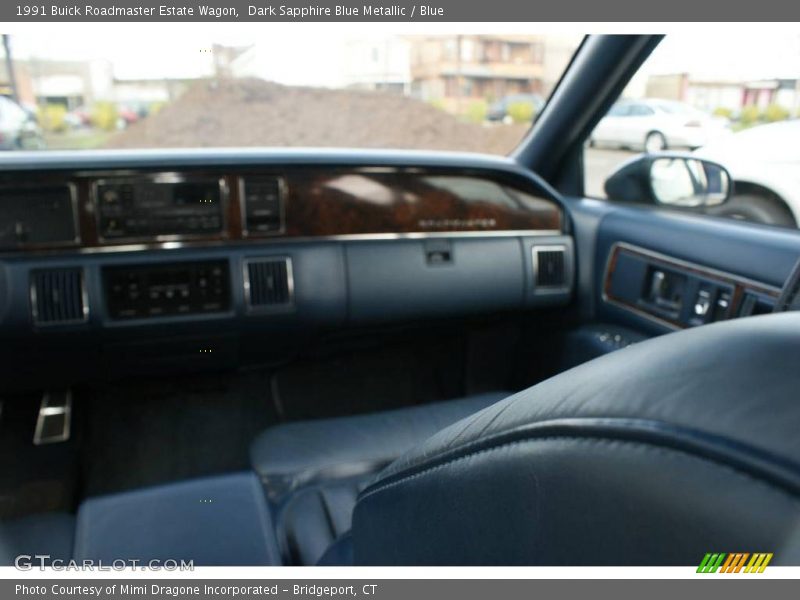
(185, 55)
(312, 59)
(733, 56)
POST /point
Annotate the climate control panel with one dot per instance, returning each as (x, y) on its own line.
(155, 290)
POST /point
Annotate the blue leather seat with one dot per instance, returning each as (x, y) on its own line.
(214, 521)
(652, 455)
(312, 471)
(49, 534)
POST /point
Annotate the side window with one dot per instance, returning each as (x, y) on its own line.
(620, 110)
(738, 106)
(640, 110)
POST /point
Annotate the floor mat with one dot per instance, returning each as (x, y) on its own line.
(160, 430)
(371, 379)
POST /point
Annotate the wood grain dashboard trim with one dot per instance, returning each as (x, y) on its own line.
(342, 202)
(386, 201)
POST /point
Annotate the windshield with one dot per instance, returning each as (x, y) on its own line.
(475, 93)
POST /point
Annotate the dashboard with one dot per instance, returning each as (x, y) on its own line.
(108, 209)
(145, 261)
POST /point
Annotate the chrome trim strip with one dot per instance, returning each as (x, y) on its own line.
(34, 297)
(76, 224)
(166, 177)
(424, 235)
(84, 296)
(269, 308)
(670, 261)
(254, 242)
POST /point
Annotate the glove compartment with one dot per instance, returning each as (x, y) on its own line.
(437, 277)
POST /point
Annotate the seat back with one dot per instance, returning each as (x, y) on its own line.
(653, 455)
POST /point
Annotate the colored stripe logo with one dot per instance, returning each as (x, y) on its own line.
(736, 562)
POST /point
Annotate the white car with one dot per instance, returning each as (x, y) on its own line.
(656, 125)
(18, 129)
(764, 162)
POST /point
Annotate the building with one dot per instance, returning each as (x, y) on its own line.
(788, 95)
(81, 83)
(65, 82)
(140, 94)
(456, 69)
(363, 62)
(378, 64)
(711, 94)
(224, 58)
(783, 92)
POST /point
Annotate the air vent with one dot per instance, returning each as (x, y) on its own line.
(268, 282)
(550, 266)
(58, 297)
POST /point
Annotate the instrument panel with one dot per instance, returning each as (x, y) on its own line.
(199, 206)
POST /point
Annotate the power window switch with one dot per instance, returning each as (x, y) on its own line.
(702, 304)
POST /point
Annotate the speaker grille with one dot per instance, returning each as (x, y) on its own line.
(57, 297)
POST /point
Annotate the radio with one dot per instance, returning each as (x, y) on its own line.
(157, 290)
(159, 207)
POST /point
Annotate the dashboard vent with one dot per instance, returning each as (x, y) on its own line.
(58, 297)
(550, 266)
(268, 282)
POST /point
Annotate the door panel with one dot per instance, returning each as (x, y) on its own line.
(704, 258)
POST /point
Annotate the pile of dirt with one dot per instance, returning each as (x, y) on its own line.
(253, 112)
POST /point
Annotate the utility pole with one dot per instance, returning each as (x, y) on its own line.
(12, 78)
(459, 79)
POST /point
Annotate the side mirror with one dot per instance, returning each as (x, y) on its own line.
(682, 181)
